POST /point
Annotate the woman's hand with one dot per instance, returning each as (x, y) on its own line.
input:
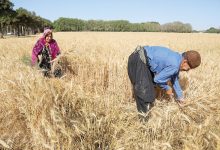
(47, 44)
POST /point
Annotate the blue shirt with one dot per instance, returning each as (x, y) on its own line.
(165, 64)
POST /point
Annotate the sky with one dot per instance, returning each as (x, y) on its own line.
(201, 14)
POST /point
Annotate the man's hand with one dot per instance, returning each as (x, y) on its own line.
(169, 92)
(181, 102)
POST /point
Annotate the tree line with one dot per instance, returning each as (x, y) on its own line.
(20, 21)
(213, 30)
(71, 24)
(24, 22)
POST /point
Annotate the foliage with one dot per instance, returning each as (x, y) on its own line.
(69, 24)
(177, 27)
(22, 20)
(5, 15)
(212, 30)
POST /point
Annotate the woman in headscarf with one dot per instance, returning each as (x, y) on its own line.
(48, 48)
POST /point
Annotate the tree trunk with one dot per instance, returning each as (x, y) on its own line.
(18, 30)
(1, 33)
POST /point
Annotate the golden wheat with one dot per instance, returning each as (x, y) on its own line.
(91, 107)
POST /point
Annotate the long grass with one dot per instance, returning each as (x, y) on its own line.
(91, 106)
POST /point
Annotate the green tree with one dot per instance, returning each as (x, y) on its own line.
(177, 27)
(6, 13)
(212, 30)
(27, 22)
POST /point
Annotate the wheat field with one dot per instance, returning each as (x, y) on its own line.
(91, 106)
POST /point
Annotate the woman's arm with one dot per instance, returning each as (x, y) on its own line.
(36, 50)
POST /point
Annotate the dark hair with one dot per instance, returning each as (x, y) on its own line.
(193, 58)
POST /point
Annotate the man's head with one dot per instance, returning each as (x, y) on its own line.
(191, 60)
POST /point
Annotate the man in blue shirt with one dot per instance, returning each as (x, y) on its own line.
(150, 65)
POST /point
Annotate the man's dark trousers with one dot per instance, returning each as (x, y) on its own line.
(142, 81)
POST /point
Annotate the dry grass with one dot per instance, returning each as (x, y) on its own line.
(92, 106)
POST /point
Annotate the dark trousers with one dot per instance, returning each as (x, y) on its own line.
(142, 81)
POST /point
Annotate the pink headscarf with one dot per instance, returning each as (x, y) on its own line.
(38, 47)
(46, 32)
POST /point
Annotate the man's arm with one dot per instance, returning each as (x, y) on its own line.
(177, 88)
(164, 76)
